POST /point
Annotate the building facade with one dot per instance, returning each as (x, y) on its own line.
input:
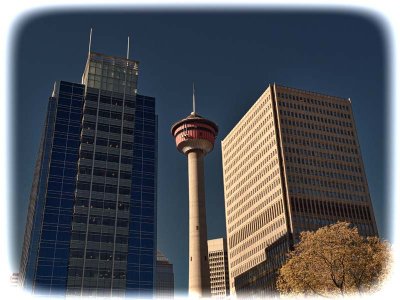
(91, 226)
(292, 163)
(164, 277)
(219, 270)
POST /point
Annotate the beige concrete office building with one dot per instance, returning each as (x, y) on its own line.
(219, 271)
(292, 163)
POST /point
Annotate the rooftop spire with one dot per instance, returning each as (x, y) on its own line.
(53, 94)
(194, 101)
(127, 50)
(90, 40)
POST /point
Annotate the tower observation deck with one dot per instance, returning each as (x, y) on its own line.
(195, 137)
(194, 133)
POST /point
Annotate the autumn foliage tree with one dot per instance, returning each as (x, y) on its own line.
(334, 260)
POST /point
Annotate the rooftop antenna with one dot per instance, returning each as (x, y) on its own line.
(53, 94)
(127, 50)
(90, 40)
(194, 101)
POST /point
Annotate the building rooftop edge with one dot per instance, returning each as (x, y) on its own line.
(217, 244)
(113, 56)
(161, 257)
(218, 239)
(285, 87)
(247, 112)
(311, 92)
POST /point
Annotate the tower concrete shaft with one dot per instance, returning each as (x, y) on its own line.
(199, 275)
(195, 137)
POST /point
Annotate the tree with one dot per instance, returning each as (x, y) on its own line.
(334, 260)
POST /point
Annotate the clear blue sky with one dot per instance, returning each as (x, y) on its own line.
(232, 57)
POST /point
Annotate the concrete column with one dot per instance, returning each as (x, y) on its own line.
(199, 273)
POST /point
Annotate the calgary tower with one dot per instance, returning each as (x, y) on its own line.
(195, 137)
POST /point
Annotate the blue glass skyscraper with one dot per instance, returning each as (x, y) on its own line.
(91, 226)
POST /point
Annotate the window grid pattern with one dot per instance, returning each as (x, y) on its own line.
(303, 148)
(323, 163)
(53, 249)
(219, 269)
(101, 211)
(36, 202)
(259, 281)
(143, 210)
(253, 188)
(111, 73)
(99, 243)
(94, 191)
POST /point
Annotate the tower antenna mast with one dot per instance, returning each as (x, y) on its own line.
(194, 100)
